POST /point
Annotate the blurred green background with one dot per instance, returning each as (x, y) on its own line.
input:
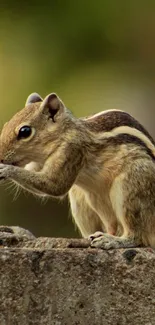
(95, 54)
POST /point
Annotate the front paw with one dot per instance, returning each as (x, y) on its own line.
(5, 171)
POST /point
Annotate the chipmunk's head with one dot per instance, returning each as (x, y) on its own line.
(34, 132)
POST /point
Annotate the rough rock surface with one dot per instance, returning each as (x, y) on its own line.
(47, 281)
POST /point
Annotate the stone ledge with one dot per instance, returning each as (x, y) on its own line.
(48, 281)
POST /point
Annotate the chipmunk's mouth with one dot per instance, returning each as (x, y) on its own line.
(20, 163)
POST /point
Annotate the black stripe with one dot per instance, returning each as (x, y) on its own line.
(124, 138)
(106, 122)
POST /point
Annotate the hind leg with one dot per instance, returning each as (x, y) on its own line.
(85, 218)
(133, 199)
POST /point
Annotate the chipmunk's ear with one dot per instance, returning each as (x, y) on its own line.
(53, 106)
(33, 98)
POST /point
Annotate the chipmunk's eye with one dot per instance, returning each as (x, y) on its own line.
(24, 132)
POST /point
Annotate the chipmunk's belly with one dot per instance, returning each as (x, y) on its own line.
(96, 188)
(101, 204)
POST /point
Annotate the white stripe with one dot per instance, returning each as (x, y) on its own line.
(131, 131)
(102, 113)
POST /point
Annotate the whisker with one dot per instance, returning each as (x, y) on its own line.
(14, 189)
(17, 192)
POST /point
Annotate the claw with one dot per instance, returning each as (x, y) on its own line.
(105, 241)
(97, 234)
(100, 242)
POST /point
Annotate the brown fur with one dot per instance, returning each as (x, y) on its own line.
(105, 163)
(115, 118)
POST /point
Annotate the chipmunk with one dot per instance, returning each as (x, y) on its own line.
(105, 163)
